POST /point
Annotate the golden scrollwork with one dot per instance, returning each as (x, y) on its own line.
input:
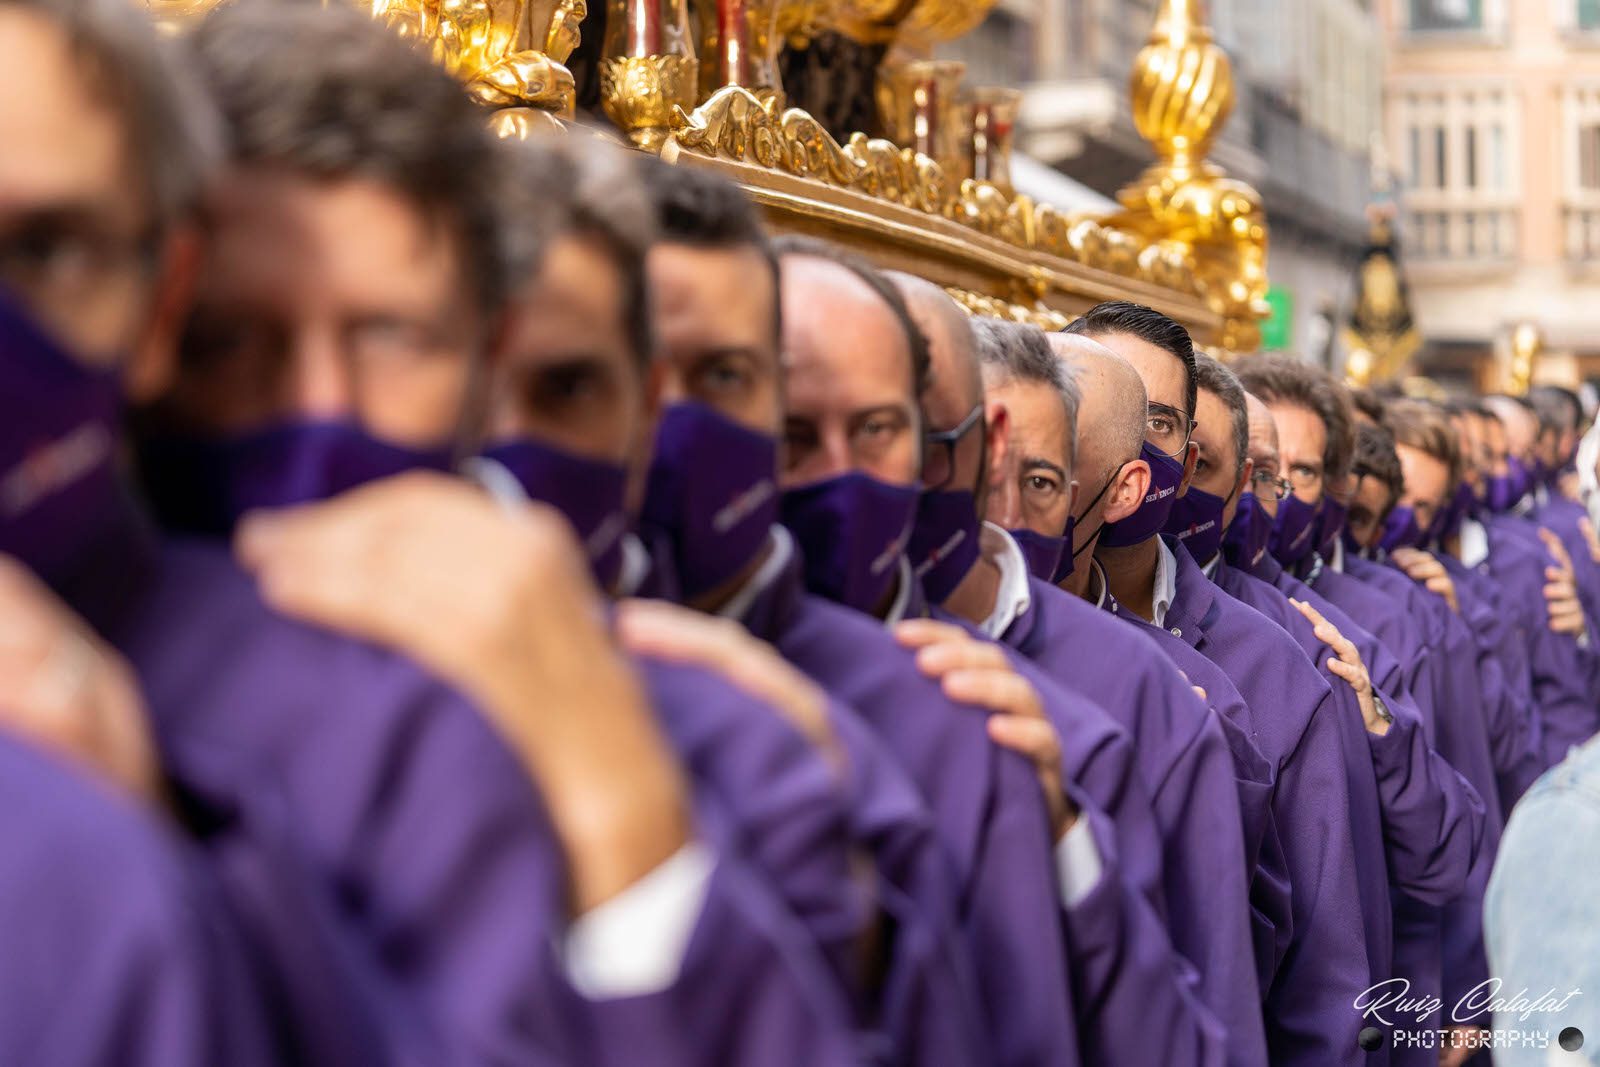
(993, 307)
(1182, 87)
(641, 94)
(477, 41)
(736, 124)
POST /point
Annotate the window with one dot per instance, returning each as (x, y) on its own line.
(1471, 158)
(1447, 14)
(1415, 146)
(1589, 157)
(1441, 159)
(1497, 157)
(1589, 14)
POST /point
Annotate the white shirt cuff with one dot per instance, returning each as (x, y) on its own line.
(1077, 863)
(634, 943)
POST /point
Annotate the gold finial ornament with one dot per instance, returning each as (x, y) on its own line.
(1182, 89)
(1381, 328)
(1527, 341)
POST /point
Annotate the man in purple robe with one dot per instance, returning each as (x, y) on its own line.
(498, 815)
(1310, 1016)
(1181, 751)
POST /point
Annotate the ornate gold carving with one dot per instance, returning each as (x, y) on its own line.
(553, 26)
(739, 45)
(995, 308)
(1527, 341)
(476, 40)
(522, 123)
(641, 94)
(1182, 89)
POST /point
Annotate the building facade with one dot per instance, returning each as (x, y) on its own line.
(1309, 76)
(1492, 121)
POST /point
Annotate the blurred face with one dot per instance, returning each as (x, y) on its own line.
(1474, 449)
(1033, 489)
(1494, 436)
(1427, 483)
(1216, 468)
(1301, 441)
(1521, 433)
(567, 373)
(847, 380)
(77, 249)
(947, 405)
(1266, 476)
(713, 312)
(328, 301)
(1369, 506)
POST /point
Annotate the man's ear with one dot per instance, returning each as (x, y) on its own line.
(154, 358)
(1244, 477)
(1127, 492)
(1191, 456)
(998, 422)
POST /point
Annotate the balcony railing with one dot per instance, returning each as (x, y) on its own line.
(1466, 235)
(1582, 228)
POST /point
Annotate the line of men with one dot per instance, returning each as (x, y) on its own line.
(488, 603)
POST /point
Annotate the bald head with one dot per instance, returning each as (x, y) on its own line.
(1520, 422)
(1113, 408)
(955, 380)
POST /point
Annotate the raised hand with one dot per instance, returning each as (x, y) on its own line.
(1347, 664)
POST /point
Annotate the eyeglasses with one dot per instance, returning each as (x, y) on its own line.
(939, 451)
(1168, 430)
(1265, 483)
(72, 271)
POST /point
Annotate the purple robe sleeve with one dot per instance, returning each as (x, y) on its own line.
(120, 950)
(1134, 1002)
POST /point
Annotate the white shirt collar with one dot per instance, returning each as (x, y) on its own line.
(636, 564)
(780, 550)
(1166, 587)
(1335, 560)
(902, 593)
(1014, 596)
(1099, 583)
(1474, 540)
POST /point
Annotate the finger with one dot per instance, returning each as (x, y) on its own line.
(1031, 738)
(919, 633)
(964, 653)
(1309, 612)
(1002, 691)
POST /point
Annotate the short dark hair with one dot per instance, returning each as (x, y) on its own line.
(1368, 403)
(704, 210)
(331, 94)
(1557, 405)
(1425, 427)
(1020, 352)
(1213, 377)
(583, 186)
(171, 132)
(1147, 324)
(1284, 380)
(1375, 457)
(872, 277)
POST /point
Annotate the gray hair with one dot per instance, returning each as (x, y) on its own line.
(1018, 352)
(1212, 377)
(571, 184)
(172, 132)
(331, 94)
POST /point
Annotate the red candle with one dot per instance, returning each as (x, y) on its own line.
(644, 28)
(731, 32)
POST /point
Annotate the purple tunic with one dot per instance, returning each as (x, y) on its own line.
(443, 859)
(1184, 758)
(985, 804)
(120, 950)
(1309, 1014)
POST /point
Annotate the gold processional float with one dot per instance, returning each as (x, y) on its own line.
(928, 191)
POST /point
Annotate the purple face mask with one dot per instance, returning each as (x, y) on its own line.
(1165, 475)
(1245, 541)
(1400, 529)
(1499, 493)
(1050, 559)
(58, 471)
(203, 485)
(1462, 505)
(1520, 480)
(1330, 525)
(944, 541)
(1294, 531)
(712, 497)
(852, 530)
(1196, 520)
(588, 492)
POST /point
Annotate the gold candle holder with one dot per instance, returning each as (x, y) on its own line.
(916, 102)
(990, 119)
(739, 44)
(648, 67)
